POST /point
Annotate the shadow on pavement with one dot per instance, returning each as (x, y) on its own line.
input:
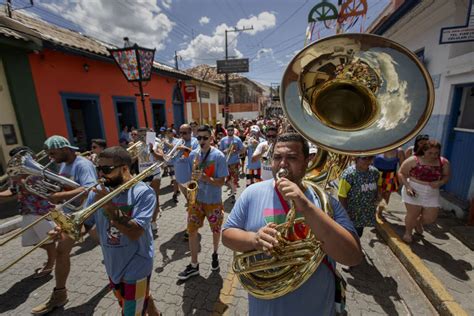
(427, 250)
(20, 291)
(368, 279)
(87, 245)
(88, 307)
(180, 249)
(201, 295)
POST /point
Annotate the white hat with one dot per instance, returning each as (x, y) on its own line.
(255, 129)
(313, 150)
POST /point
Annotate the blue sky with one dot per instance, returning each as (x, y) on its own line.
(195, 28)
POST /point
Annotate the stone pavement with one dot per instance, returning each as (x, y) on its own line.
(379, 286)
(448, 259)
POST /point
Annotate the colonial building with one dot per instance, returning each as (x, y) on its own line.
(441, 34)
(246, 97)
(57, 81)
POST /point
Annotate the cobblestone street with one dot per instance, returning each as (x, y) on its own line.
(380, 285)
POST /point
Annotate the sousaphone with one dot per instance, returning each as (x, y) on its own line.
(351, 95)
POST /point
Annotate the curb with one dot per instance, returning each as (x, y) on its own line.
(10, 225)
(434, 290)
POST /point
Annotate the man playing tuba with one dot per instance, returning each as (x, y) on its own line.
(251, 226)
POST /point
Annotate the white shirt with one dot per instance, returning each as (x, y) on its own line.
(266, 165)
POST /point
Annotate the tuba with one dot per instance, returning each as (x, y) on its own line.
(71, 224)
(39, 180)
(351, 95)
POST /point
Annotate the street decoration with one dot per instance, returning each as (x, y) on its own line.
(342, 17)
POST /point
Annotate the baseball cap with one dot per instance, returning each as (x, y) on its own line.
(255, 129)
(162, 129)
(57, 142)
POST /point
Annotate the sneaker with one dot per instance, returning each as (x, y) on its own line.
(186, 235)
(154, 227)
(189, 272)
(175, 198)
(215, 262)
(57, 299)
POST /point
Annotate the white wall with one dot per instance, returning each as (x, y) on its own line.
(245, 115)
(453, 63)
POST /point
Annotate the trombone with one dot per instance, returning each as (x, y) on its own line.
(71, 224)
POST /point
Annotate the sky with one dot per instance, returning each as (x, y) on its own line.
(195, 29)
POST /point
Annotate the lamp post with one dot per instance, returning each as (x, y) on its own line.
(136, 63)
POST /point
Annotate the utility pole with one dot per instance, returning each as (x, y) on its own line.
(8, 7)
(226, 101)
(176, 60)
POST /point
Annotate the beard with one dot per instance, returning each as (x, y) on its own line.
(114, 182)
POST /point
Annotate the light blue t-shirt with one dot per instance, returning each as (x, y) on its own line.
(250, 150)
(82, 171)
(181, 163)
(225, 143)
(127, 259)
(214, 166)
(316, 295)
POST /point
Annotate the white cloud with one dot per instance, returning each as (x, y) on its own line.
(144, 23)
(204, 20)
(165, 3)
(262, 22)
(264, 52)
(206, 49)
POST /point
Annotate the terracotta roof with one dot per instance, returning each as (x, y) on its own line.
(66, 38)
(210, 73)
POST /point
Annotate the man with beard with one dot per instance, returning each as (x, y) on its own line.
(233, 163)
(212, 170)
(82, 171)
(262, 206)
(124, 229)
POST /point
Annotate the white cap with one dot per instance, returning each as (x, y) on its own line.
(255, 129)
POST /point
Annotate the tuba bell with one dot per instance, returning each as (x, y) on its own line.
(351, 95)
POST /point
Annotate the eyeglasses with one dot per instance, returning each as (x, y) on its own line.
(106, 169)
(202, 138)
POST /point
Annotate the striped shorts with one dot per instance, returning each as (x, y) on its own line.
(132, 296)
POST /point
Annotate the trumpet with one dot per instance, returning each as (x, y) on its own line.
(71, 224)
(269, 153)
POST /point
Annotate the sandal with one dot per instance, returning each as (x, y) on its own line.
(41, 272)
(419, 229)
(407, 238)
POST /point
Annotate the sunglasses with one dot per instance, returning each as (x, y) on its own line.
(271, 136)
(202, 138)
(106, 169)
(183, 133)
(94, 147)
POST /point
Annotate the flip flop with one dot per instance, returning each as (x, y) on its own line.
(41, 272)
(419, 230)
(407, 239)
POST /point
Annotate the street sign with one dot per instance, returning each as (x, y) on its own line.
(190, 93)
(227, 66)
(459, 34)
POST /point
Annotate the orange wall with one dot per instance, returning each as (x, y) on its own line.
(55, 72)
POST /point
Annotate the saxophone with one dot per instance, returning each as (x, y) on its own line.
(192, 187)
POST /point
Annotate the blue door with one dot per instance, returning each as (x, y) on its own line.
(178, 106)
(125, 113)
(83, 118)
(460, 142)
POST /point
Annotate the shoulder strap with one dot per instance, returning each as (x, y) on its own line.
(328, 264)
(285, 205)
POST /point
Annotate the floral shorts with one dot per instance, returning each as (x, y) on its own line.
(213, 212)
(234, 171)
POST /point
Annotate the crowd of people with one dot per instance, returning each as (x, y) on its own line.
(214, 157)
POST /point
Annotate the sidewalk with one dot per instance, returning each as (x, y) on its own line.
(438, 261)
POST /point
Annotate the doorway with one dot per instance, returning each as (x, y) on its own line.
(159, 114)
(125, 113)
(460, 142)
(84, 119)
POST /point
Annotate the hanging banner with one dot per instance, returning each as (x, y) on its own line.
(190, 94)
